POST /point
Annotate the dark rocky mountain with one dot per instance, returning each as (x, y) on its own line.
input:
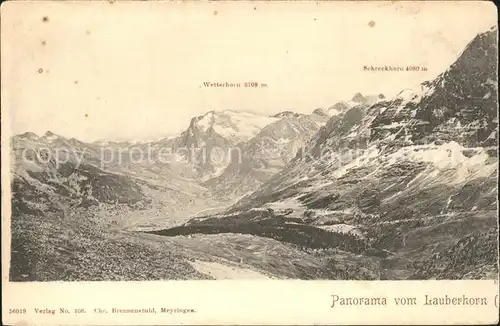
(264, 155)
(371, 188)
(411, 180)
(66, 174)
(201, 151)
(53, 174)
(287, 114)
(321, 112)
(357, 100)
(77, 219)
(212, 136)
(64, 211)
(70, 148)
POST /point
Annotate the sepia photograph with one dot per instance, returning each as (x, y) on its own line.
(166, 160)
(160, 141)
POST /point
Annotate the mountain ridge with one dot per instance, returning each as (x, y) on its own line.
(409, 179)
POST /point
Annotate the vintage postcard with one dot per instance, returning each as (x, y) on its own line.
(248, 162)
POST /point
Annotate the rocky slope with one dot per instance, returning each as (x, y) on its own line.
(52, 174)
(71, 222)
(411, 180)
(256, 160)
(207, 142)
(371, 188)
(72, 214)
(358, 99)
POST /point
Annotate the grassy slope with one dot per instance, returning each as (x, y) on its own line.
(80, 248)
(50, 249)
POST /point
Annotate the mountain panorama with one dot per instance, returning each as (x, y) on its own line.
(369, 188)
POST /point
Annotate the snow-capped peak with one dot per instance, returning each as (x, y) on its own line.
(320, 112)
(50, 136)
(415, 93)
(358, 98)
(231, 124)
(28, 135)
(286, 114)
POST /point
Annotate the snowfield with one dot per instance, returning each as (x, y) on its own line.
(234, 124)
(224, 272)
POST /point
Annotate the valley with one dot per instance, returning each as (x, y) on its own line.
(372, 188)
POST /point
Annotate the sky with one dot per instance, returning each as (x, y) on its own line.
(135, 70)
